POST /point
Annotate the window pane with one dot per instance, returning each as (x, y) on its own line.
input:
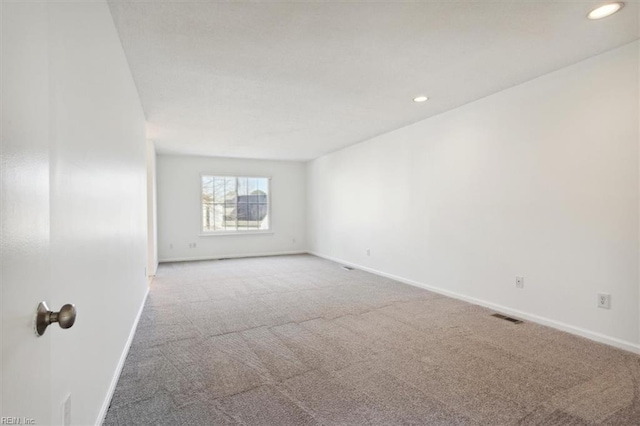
(207, 200)
(263, 185)
(218, 217)
(263, 216)
(263, 209)
(207, 197)
(207, 189)
(218, 189)
(207, 217)
(230, 216)
(230, 190)
(244, 214)
(253, 185)
(243, 189)
(253, 214)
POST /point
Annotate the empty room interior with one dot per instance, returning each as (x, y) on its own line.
(320, 212)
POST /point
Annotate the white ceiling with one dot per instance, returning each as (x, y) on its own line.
(285, 80)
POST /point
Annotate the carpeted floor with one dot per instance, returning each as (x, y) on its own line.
(296, 340)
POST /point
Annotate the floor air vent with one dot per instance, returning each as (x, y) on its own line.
(506, 318)
(347, 268)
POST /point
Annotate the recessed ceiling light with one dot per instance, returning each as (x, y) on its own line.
(605, 10)
(420, 99)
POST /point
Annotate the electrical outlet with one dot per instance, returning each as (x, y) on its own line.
(171, 246)
(66, 411)
(192, 245)
(368, 252)
(294, 241)
(604, 301)
(519, 282)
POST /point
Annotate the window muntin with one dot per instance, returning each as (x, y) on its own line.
(235, 204)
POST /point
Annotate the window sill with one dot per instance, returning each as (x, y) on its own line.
(224, 234)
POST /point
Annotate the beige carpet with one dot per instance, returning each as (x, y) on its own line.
(296, 340)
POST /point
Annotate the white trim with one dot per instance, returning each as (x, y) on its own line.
(230, 256)
(225, 233)
(234, 176)
(591, 335)
(114, 381)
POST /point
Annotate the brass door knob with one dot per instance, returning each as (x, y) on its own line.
(66, 317)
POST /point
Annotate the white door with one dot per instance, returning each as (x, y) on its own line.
(24, 188)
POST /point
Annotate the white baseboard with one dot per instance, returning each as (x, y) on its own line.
(591, 335)
(114, 381)
(229, 256)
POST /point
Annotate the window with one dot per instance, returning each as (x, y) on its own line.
(235, 204)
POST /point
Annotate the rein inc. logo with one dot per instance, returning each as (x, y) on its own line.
(17, 421)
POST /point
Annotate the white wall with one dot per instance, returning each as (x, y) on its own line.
(540, 180)
(91, 125)
(179, 208)
(152, 216)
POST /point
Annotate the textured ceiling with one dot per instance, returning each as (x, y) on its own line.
(285, 80)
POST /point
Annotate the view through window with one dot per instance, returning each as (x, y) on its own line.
(233, 204)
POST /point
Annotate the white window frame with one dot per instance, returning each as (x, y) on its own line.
(204, 233)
